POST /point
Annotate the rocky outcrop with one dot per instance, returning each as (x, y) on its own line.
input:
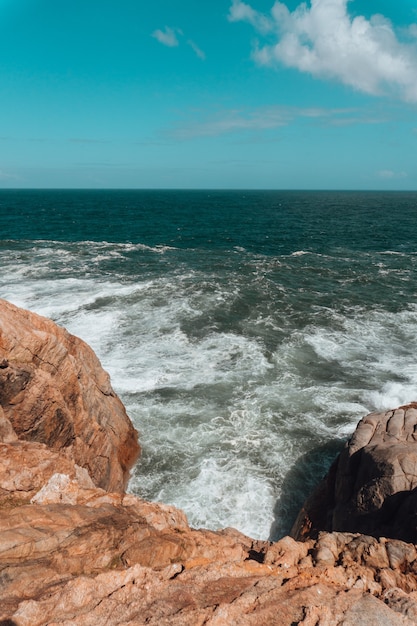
(372, 486)
(54, 391)
(78, 556)
(75, 554)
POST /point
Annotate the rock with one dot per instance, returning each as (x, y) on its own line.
(75, 554)
(152, 568)
(53, 390)
(372, 486)
(26, 466)
(208, 579)
(401, 602)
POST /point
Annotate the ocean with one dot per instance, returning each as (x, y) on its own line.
(246, 332)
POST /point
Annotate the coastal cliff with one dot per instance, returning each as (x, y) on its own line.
(75, 549)
(371, 487)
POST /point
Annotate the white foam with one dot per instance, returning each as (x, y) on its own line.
(222, 418)
(226, 494)
(375, 345)
(396, 253)
(391, 395)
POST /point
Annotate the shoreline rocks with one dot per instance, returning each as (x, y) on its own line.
(371, 487)
(76, 550)
(54, 391)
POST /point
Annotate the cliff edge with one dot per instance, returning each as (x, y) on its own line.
(54, 391)
(75, 549)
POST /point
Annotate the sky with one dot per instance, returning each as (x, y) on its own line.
(212, 94)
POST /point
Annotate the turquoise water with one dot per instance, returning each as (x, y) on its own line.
(246, 332)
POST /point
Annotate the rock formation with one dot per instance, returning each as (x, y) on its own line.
(372, 486)
(75, 549)
(54, 391)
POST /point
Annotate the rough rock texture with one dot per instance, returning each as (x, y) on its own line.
(74, 554)
(372, 486)
(84, 556)
(79, 556)
(54, 391)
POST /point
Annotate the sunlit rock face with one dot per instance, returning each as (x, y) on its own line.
(54, 391)
(75, 549)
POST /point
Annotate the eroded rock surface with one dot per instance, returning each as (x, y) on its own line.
(99, 558)
(75, 554)
(372, 486)
(53, 390)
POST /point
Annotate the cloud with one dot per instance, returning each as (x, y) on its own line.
(390, 174)
(201, 55)
(412, 30)
(168, 37)
(325, 41)
(6, 176)
(240, 11)
(267, 118)
(231, 121)
(88, 140)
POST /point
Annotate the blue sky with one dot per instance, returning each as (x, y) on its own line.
(210, 94)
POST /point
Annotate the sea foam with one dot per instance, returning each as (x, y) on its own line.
(243, 369)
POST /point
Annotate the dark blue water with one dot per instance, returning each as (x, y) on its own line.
(265, 222)
(246, 331)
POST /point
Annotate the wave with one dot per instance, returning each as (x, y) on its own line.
(232, 366)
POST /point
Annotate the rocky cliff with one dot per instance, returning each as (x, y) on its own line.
(54, 391)
(75, 549)
(371, 487)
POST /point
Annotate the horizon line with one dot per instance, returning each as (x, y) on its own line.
(217, 189)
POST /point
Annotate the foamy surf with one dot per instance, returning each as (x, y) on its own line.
(243, 369)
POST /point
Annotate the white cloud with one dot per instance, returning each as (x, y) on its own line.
(412, 29)
(6, 176)
(231, 121)
(266, 118)
(390, 174)
(324, 40)
(201, 55)
(88, 140)
(241, 11)
(168, 37)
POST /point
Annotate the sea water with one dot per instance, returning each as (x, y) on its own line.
(246, 332)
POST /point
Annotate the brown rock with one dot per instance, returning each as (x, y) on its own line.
(26, 466)
(79, 555)
(54, 391)
(401, 602)
(372, 486)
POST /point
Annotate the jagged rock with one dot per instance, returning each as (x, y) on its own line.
(26, 466)
(52, 574)
(372, 486)
(53, 390)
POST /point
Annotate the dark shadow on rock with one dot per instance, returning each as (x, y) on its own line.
(399, 516)
(299, 483)
(396, 519)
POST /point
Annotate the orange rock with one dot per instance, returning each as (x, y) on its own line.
(53, 390)
(26, 466)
